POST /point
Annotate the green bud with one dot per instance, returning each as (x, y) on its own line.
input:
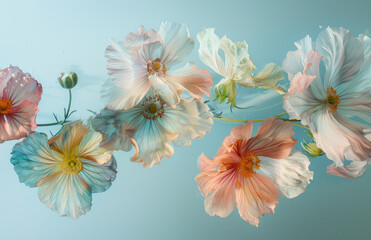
(68, 80)
(310, 148)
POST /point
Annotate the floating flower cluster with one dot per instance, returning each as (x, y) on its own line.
(150, 105)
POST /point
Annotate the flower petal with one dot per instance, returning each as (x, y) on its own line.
(68, 195)
(135, 41)
(99, 176)
(190, 79)
(273, 139)
(33, 159)
(177, 43)
(206, 164)
(189, 120)
(243, 132)
(354, 170)
(342, 55)
(291, 174)
(255, 197)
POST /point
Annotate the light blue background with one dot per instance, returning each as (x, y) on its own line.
(47, 37)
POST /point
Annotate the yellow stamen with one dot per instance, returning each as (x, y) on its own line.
(248, 163)
(71, 165)
(332, 99)
(5, 106)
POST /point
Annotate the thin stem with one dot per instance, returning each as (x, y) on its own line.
(67, 114)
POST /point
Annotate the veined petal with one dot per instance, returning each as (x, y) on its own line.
(177, 43)
(354, 170)
(118, 98)
(166, 90)
(99, 176)
(68, 195)
(112, 124)
(290, 174)
(243, 132)
(189, 120)
(206, 164)
(188, 78)
(33, 159)
(255, 197)
(342, 55)
(120, 67)
(268, 78)
(273, 139)
(209, 51)
(219, 192)
(151, 141)
(134, 41)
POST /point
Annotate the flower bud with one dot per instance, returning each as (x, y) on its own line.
(311, 148)
(68, 80)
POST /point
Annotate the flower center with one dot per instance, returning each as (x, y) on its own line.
(248, 163)
(71, 165)
(153, 107)
(5, 106)
(332, 99)
(156, 67)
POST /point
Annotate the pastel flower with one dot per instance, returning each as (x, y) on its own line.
(152, 125)
(236, 68)
(145, 60)
(67, 169)
(19, 96)
(337, 107)
(251, 172)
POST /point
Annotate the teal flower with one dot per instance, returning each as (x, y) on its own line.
(67, 169)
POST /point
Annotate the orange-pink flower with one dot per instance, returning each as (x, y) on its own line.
(19, 96)
(251, 172)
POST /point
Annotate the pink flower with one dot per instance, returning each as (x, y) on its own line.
(336, 106)
(19, 96)
(250, 172)
(145, 59)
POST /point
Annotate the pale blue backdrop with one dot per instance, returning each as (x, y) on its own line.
(47, 37)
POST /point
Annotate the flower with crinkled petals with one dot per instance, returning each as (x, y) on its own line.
(337, 108)
(152, 125)
(67, 169)
(237, 67)
(251, 172)
(19, 96)
(145, 60)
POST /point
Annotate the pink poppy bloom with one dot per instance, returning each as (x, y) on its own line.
(337, 106)
(251, 172)
(146, 59)
(19, 96)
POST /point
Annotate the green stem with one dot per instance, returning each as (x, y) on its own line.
(66, 115)
(262, 120)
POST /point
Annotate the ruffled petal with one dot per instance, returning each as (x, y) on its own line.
(342, 55)
(118, 98)
(121, 69)
(99, 176)
(22, 87)
(33, 159)
(68, 195)
(189, 120)
(268, 78)
(190, 79)
(112, 124)
(151, 141)
(19, 123)
(273, 139)
(206, 164)
(255, 197)
(177, 43)
(219, 192)
(243, 132)
(135, 41)
(291, 174)
(354, 170)
(209, 51)
(166, 90)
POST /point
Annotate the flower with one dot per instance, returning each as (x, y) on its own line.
(250, 172)
(67, 169)
(19, 96)
(152, 125)
(337, 108)
(145, 60)
(68, 80)
(237, 67)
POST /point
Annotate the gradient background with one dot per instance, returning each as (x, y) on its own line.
(47, 37)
